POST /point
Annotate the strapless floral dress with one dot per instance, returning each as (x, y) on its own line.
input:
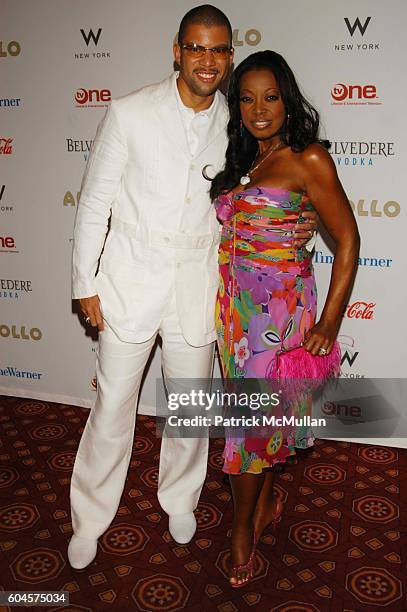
(266, 297)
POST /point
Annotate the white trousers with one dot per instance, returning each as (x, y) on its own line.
(105, 448)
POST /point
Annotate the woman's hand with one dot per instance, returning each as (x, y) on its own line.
(321, 336)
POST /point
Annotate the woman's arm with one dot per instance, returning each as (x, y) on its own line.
(322, 185)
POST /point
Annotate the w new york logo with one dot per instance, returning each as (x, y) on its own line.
(357, 24)
(92, 36)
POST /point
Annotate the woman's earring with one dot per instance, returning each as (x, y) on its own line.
(241, 127)
(288, 118)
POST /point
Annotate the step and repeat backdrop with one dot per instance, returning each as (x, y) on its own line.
(60, 65)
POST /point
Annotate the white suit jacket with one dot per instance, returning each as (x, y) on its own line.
(163, 230)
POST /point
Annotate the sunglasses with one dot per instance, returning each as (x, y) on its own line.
(198, 50)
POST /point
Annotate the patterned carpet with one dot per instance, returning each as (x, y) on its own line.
(338, 547)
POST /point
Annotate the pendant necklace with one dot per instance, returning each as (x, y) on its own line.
(246, 178)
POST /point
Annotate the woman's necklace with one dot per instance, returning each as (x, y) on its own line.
(246, 178)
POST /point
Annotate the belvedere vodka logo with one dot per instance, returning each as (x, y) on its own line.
(361, 153)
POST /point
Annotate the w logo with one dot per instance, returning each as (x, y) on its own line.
(90, 35)
(357, 24)
(349, 357)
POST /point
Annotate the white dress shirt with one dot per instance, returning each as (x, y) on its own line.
(196, 125)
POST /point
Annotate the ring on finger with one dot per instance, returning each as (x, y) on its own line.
(323, 351)
(87, 320)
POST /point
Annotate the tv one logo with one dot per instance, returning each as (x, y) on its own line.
(17, 332)
(7, 244)
(342, 410)
(92, 98)
(343, 95)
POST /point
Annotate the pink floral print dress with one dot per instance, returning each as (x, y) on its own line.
(267, 296)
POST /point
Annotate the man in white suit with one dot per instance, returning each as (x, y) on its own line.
(157, 274)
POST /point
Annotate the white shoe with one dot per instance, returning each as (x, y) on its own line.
(81, 551)
(182, 527)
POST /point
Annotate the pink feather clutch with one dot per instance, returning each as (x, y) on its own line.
(302, 372)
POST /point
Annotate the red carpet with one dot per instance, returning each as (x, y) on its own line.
(337, 549)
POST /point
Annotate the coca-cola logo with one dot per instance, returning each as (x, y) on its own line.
(353, 94)
(6, 145)
(360, 310)
(92, 97)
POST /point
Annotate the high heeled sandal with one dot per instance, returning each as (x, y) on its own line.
(279, 511)
(275, 521)
(244, 567)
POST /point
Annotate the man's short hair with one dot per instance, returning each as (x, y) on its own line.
(207, 15)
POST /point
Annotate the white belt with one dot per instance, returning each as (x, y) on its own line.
(151, 237)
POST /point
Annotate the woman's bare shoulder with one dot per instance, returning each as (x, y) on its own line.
(315, 153)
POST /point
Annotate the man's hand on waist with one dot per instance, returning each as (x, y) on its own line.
(304, 231)
(90, 307)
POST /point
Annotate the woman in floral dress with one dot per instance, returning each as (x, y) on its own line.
(276, 168)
